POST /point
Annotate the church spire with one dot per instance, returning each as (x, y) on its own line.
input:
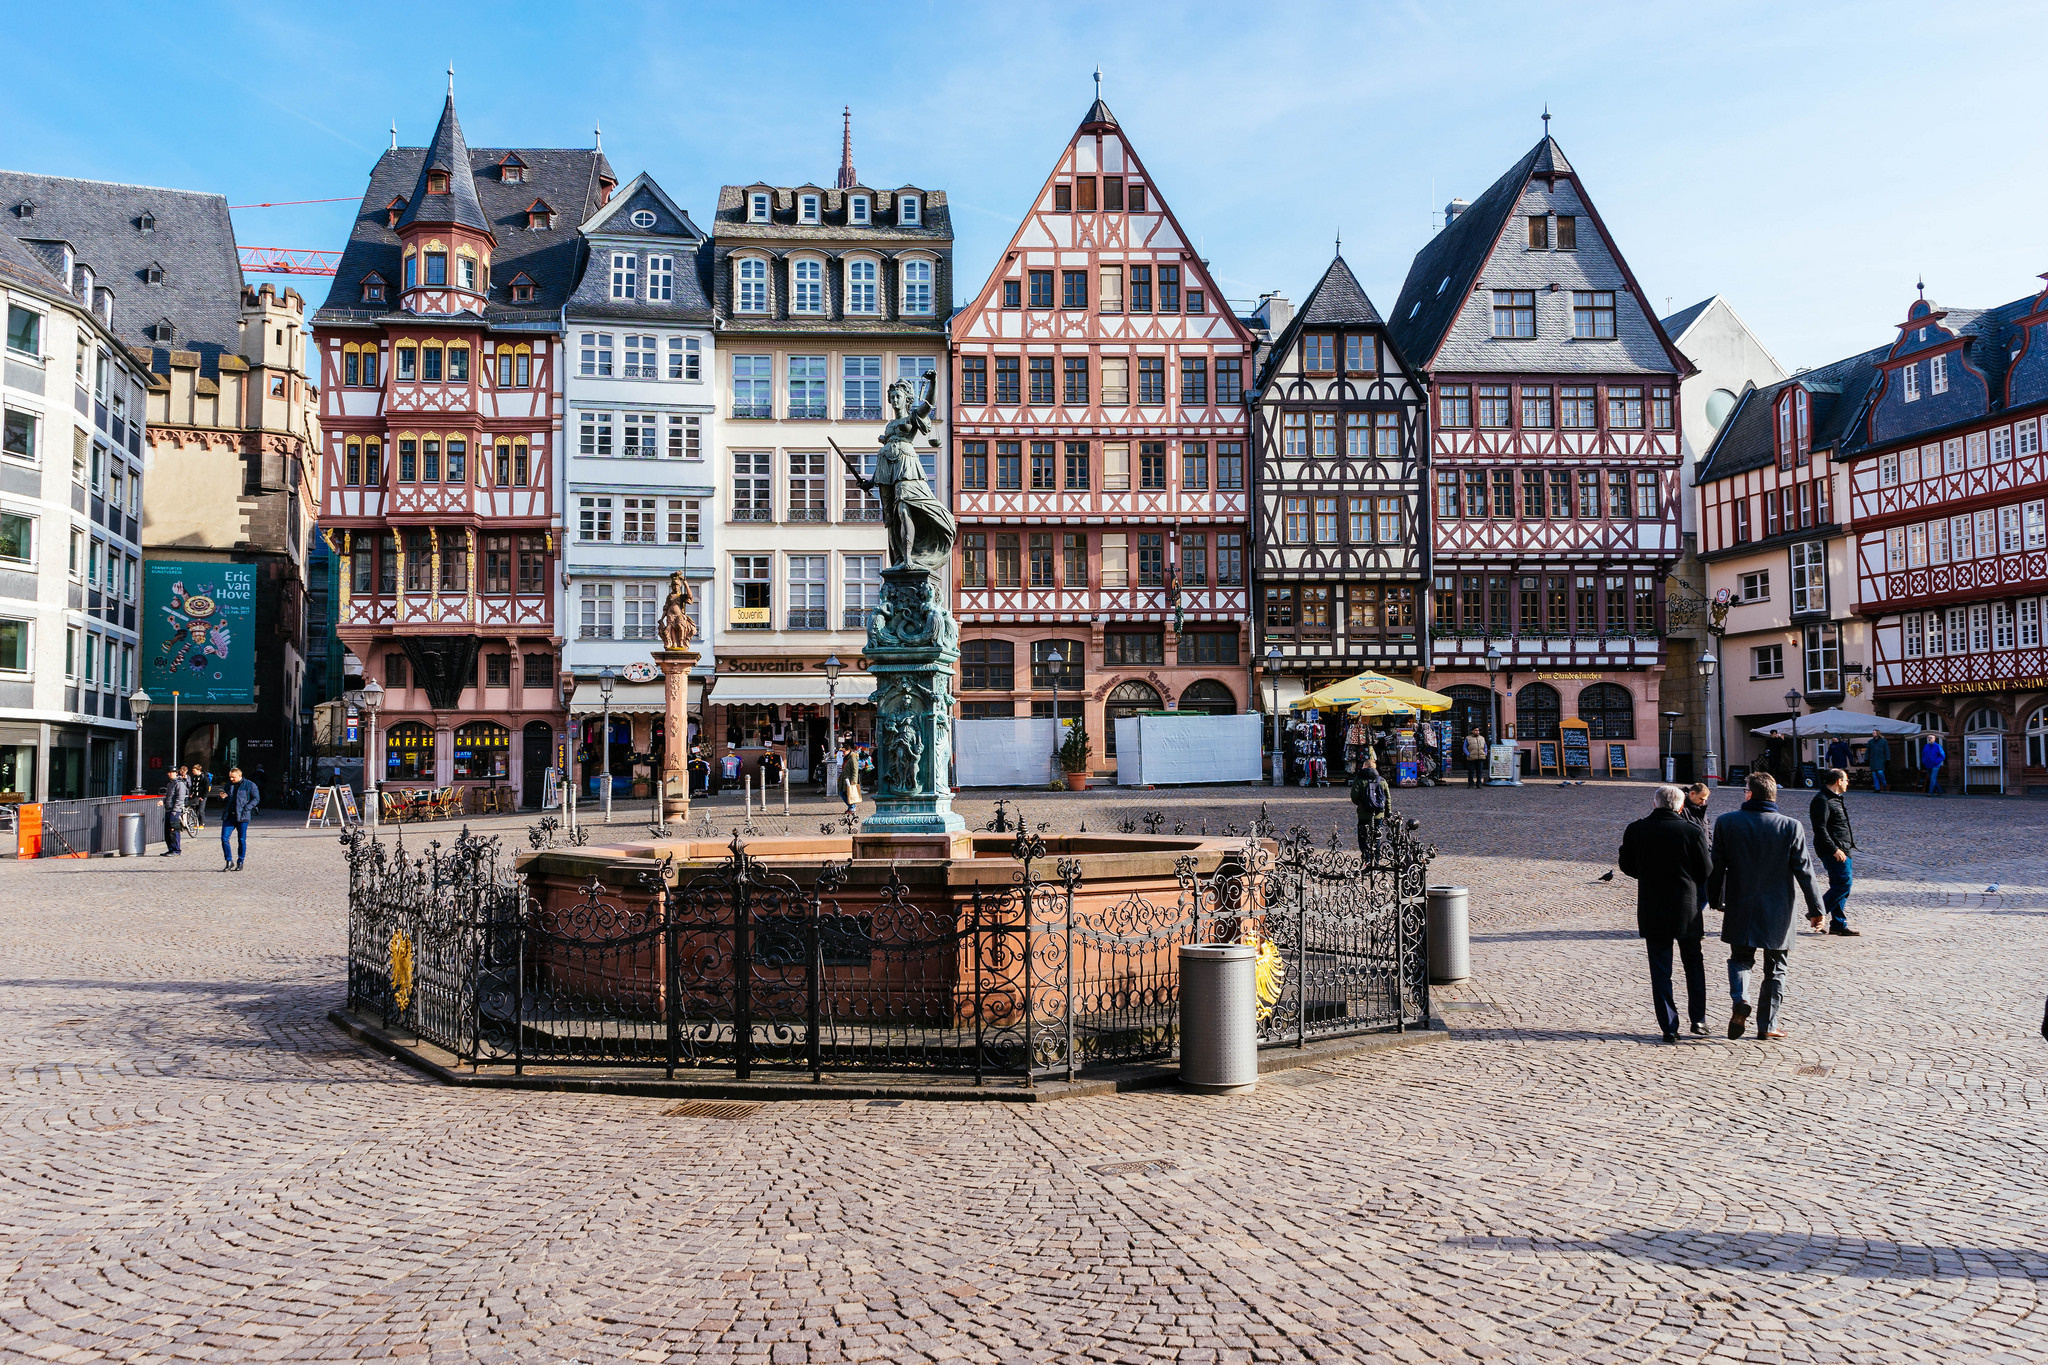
(847, 178)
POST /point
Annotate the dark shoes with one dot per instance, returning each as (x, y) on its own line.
(1844, 931)
(1699, 1027)
(1670, 1037)
(1738, 1019)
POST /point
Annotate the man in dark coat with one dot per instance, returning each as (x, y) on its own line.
(1833, 839)
(1667, 855)
(1878, 754)
(1369, 794)
(176, 794)
(242, 799)
(1758, 856)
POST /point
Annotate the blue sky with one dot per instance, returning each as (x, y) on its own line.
(1805, 160)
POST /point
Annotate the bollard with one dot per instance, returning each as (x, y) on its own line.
(1219, 1017)
(1450, 949)
(747, 782)
(785, 789)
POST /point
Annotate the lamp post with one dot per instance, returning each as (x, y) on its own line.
(177, 741)
(371, 697)
(1492, 697)
(604, 691)
(1055, 663)
(1670, 739)
(138, 706)
(1792, 705)
(1708, 663)
(1273, 677)
(569, 776)
(831, 669)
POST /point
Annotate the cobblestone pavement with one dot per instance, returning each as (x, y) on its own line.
(194, 1165)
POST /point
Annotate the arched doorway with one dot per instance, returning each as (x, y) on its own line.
(483, 751)
(1608, 710)
(1537, 712)
(1471, 709)
(1125, 699)
(1209, 698)
(1984, 723)
(537, 744)
(2037, 738)
(1931, 722)
(408, 753)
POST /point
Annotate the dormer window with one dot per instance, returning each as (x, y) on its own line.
(1319, 353)
(153, 274)
(393, 211)
(522, 288)
(1910, 376)
(540, 215)
(807, 208)
(643, 218)
(146, 223)
(858, 208)
(511, 171)
(25, 209)
(1937, 374)
(807, 287)
(752, 275)
(437, 182)
(162, 330)
(909, 210)
(757, 206)
(625, 273)
(373, 289)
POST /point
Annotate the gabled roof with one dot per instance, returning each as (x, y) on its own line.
(1675, 325)
(1988, 336)
(1442, 273)
(1746, 440)
(193, 239)
(1336, 301)
(615, 217)
(448, 153)
(672, 231)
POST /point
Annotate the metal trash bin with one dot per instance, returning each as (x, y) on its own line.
(1219, 1017)
(1450, 947)
(131, 834)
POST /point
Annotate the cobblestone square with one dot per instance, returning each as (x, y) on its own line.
(195, 1165)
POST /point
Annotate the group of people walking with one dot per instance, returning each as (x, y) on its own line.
(185, 809)
(1749, 865)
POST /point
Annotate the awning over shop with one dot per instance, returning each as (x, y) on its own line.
(800, 689)
(628, 698)
(1291, 691)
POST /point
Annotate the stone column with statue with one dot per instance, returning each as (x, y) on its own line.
(912, 645)
(675, 658)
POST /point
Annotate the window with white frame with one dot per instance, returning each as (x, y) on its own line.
(661, 278)
(807, 287)
(1986, 527)
(639, 521)
(643, 358)
(14, 646)
(861, 295)
(641, 608)
(917, 287)
(758, 204)
(1936, 633)
(1937, 373)
(2026, 438)
(2034, 525)
(596, 355)
(1937, 542)
(909, 210)
(861, 504)
(1952, 455)
(1887, 470)
(595, 621)
(24, 331)
(685, 358)
(1910, 378)
(863, 575)
(806, 592)
(1910, 625)
(1809, 577)
(806, 485)
(2001, 625)
(752, 273)
(1958, 631)
(1973, 450)
(596, 433)
(807, 208)
(74, 646)
(1823, 659)
(624, 274)
(18, 429)
(685, 436)
(2009, 539)
(642, 435)
(753, 386)
(1756, 587)
(685, 521)
(861, 388)
(1914, 541)
(807, 386)
(914, 368)
(1960, 546)
(859, 209)
(17, 537)
(1767, 661)
(752, 497)
(594, 520)
(752, 590)
(2029, 622)
(2001, 443)
(1980, 627)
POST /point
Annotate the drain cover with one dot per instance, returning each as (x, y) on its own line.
(1810, 1071)
(711, 1109)
(1298, 1077)
(1134, 1168)
(884, 1104)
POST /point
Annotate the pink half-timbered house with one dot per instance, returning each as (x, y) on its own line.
(1554, 462)
(438, 350)
(1099, 441)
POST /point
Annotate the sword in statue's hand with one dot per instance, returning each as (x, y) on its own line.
(851, 467)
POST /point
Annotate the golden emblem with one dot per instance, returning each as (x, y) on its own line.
(401, 969)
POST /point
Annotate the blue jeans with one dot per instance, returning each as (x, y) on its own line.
(1741, 961)
(1877, 783)
(1660, 981)
(239, 828)
(1934, 781)
(1841, 876)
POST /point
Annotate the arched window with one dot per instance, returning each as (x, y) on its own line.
(2037, 738)
(1609, 711)
(1931, 722)
(1125, 699)
(753, 285)
(1984, 719)
(807, 287)
(1208, 698)
(1471, 709)
(917, 286)
(408, 753)
(860, 287)
(483, 748)
(1537, 710)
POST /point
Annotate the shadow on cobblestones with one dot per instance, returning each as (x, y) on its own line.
(1786, 1252)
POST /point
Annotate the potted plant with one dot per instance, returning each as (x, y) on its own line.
(1073, 757)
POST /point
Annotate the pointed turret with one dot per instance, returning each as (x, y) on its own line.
(847, 178)
(446, 191)
(1338, 300)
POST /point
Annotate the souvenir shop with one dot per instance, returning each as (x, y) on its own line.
(1326, 747)
(760, 706)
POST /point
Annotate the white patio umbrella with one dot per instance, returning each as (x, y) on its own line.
(1837, 722)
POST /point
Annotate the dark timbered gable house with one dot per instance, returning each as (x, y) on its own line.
(1342, 556)
(1554, 462)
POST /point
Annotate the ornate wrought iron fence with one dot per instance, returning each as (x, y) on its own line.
(739, 967)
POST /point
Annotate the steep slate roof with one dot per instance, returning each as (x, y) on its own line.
(833, 236)
(935, 223)
(1675, 325)
(1455, 255)
(566, 177)
(1337, 300)
(612, 225)
(447, 152)
(1839, 392)
(193, 240)
(23, 266)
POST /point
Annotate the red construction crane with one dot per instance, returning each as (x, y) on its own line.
(287, 260)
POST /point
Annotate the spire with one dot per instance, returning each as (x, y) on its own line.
(847, 178)
(1098, 116)
(394, 135)
(451, 80)
(598, 132)
(1921, 285)
(1098, 80)
(1546, 118)
(446, 155)
(1340, 241)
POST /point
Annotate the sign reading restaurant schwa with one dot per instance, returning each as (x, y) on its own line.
(199, 632)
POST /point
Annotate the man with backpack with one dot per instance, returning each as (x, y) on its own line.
(1369, 794)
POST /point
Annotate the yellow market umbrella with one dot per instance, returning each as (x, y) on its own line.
(1371, 686)
(1382, 706)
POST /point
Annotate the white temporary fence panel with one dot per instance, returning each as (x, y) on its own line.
(1167, 750)
(1003, 752)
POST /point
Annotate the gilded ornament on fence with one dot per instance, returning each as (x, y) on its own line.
(401, 969)
(1270, 972)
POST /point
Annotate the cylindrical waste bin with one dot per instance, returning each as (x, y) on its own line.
(1450, 949)
(131, 834)
(1219, 1016)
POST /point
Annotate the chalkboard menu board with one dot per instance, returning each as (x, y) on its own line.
(1578, 749)
(1617, 759)
(1546, 756)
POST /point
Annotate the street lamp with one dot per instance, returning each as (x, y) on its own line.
(569, 776)
(1792, 705)
(1273, 677)
(604, 690)
(138, 706)
(369, 699)
(1670, 757)
(1492, 698)
(1055, 663)
(831, 669)
(1708, 663)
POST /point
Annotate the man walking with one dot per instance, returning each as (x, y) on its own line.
(175, 795)
(1758, 856)
(242, 798)
(1475, 756)
(1667, 855)
(1878, 755)
(1932, 756)
(195, 794)
(1369, 794)
(1832, 840)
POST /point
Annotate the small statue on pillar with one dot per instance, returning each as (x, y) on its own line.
(675, 658)
(677, 628)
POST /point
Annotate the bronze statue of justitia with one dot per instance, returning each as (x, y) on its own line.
(921, 530)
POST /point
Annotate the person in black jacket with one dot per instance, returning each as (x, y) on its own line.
(1832, 841)
(1667, 855)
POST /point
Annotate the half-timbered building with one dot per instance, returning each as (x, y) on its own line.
(439, 349)
(1342, 566)
(1555, 461)
(1099, 435)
